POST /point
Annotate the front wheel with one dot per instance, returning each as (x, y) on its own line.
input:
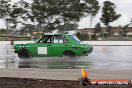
(23, 53)
(69, 53)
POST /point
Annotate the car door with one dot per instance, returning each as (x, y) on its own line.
(60, 44)
(44, 46)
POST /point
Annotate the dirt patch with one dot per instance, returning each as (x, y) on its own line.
(41, 83)
(36, 83)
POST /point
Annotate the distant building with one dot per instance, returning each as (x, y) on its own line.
(115, 30)
(67, 27)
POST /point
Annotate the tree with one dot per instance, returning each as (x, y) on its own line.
(4, 8)
(98, 30)
(93, 9)
(82, 36)
(109, 30)
(109, 15)
(28, 27)
(10, 13)
(5, 13)
(67, 27)
(19, 13)
(51, 13)
(125, 30)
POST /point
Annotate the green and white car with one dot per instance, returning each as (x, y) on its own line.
(50, 45)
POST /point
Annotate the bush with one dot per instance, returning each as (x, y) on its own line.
(82, 36)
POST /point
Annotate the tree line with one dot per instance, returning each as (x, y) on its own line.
(49, 14)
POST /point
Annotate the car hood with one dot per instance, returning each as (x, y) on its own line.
(86, 44)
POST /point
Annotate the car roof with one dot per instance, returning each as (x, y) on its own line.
(56, 34)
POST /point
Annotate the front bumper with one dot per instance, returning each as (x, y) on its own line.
(88, 51)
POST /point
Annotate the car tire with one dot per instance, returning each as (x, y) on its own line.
(69, 53)
(23, 53)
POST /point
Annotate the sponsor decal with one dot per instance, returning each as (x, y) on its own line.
(110, 82)
(84, 80)
(42, 50)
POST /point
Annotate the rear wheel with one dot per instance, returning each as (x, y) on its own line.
(23, 53)
(69, 53)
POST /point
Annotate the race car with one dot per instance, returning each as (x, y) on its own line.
(50, 45)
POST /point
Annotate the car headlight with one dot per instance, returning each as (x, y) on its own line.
(75, 47)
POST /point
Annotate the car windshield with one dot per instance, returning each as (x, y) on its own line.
(38, 39)
(75, 38)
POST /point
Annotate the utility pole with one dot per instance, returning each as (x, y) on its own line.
(90, 33)
(7, 29)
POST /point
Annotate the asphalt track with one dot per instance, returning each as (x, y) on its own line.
(64, 74)
(105, 62)
(102, 57)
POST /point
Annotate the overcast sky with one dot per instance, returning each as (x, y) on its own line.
(123, 7)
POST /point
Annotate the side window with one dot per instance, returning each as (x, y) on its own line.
(45, 39)
(48, 39)
(59, 39)
(41, 39)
